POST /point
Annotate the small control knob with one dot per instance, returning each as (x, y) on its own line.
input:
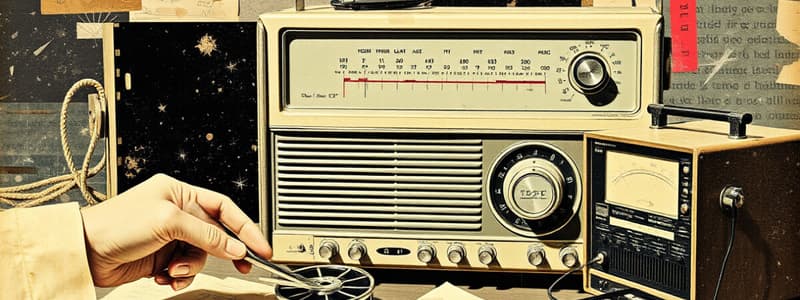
(456, 253)
(569, 256)
(536, 255)
(356, 250)
(487, 254)
(328, 249)
(590, 73)
(426, 253)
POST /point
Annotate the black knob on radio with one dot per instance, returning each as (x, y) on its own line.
(590, 76)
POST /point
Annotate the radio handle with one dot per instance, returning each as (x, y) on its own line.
(299, 5)
(738, 121)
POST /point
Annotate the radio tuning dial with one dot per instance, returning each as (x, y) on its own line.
(356, 250)
(569, 256)
(487, 254)
(589, 74)
(456, 253)
(535, 255)
(328, 249)
(426, 253)
(535, 189)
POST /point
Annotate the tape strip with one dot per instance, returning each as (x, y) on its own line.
(683, 20)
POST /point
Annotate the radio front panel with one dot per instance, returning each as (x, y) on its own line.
(442, 138)
(393, 192)
(639, 211)
(449, 70)
(460, 69)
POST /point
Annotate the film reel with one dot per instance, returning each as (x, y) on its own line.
(351, 284)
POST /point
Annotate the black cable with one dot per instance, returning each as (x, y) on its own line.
(597, 259)
(727, 252)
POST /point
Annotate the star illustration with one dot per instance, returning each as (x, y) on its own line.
(240, 183)
(231, 66)
(206, 45)
(162, 107)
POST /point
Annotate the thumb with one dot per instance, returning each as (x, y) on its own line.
(210, 238)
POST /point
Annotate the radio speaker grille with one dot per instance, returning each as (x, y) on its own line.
(375, 183)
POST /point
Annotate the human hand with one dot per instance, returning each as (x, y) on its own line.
(165, 228)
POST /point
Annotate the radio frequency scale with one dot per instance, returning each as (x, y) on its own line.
(443, 138)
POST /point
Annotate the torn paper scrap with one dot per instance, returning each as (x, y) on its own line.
(203, 287)
(154, 10)
(448, 291)
(52, 7)
(788, 25)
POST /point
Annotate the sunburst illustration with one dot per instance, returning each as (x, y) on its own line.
(206, 45)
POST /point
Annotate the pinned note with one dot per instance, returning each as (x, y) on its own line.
(788, 25)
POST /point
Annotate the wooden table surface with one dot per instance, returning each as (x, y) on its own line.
(412, 284)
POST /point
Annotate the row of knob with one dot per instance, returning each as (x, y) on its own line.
(487, 254)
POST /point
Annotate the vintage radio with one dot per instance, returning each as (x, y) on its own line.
(660, 204)
(443, 137)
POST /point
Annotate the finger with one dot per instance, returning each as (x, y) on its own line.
(188, 263)
(220, 208)
(223, 209)
(181, 283)
(242, 266)
(162, 278)
(203, 235)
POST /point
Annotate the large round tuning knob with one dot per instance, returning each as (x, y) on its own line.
(590, 73)
(569, 256)
(426, 253)
(356, 250)
(487, 254)
(328, 249)
(534, 188)
(536, 255)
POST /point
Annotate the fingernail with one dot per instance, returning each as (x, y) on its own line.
(181, 284)
(235, 248)
(180, 270)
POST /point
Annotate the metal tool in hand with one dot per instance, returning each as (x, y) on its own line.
(289, 278)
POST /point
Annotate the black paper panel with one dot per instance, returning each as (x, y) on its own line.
(190, 111)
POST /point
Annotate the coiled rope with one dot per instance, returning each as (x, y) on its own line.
(19, 196)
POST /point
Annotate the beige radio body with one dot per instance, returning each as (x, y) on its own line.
(442, 138)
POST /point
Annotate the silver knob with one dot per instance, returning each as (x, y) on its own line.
(456, 253)
(356, 250)
(589, 72)
(328, 249)
(426, 253)
(535, 255)
(569, 256)
(487, 254)
(534, 188)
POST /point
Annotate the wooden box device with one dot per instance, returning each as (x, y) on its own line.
(660, 203)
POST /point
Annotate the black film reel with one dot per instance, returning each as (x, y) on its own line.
(356, 284)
